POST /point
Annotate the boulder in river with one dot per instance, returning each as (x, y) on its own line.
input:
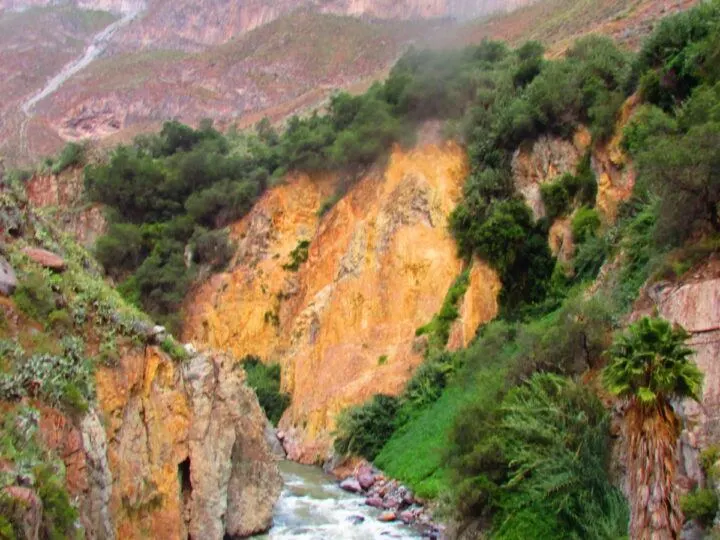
(374, 501)
(351, 485)
(365, 478)
(356, 520)
(387, 516)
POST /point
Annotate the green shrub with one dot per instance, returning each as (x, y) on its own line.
(439, 327)
(701, 504)
(174, 349)
(540, 459)
(364, 429)
(265, 380)
(555, 199)
(585, 224)
(59, 515)
(34, 296)
(590, 257)
(212, 247)
(72, 154)
(60, 320)
(298, 256)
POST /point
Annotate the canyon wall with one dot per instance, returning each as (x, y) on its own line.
(171, 451)
(694, 303)
(186, 448)
(379, 264)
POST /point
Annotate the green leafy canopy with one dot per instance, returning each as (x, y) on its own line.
(651, 361)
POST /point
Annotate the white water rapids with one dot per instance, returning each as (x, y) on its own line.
(313, 507)
(97, 46)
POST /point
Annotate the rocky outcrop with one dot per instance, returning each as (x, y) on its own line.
(8, 279)
(186, 448)
(548, 158)
(62, 195)
(544, 161)
(234, 481)
(694, 303)
(343, 326)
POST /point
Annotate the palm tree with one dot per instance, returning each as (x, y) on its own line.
(650, 365)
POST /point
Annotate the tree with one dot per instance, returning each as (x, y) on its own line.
(649, 366)
(683, 171)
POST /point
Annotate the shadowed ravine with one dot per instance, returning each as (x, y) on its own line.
(313, 507)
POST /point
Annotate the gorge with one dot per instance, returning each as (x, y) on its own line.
(478, 297)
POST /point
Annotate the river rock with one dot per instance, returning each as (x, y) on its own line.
(356, 520)
(407, 517)
(273, 441)
(8, 280)
(386, 517)
(45, 258)
(374, 501)
(365, 478)
(351, 485)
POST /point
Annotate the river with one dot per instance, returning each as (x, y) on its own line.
(313, 507)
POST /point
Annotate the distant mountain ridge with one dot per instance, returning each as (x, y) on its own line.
(191, 25)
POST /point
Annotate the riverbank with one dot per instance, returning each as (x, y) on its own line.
(395, 501)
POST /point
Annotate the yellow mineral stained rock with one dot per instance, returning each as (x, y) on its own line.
(476, 308)
(560, 239)
(147, 419)
(343, 326)
(186, 448)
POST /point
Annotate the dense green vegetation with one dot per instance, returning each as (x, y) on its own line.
(167, 192)
(265, 380)
(19, 445)
(503, 432)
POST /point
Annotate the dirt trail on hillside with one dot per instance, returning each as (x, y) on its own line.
(97, 46)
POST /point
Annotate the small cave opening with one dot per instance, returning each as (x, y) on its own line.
(185, 493)
(184, 476)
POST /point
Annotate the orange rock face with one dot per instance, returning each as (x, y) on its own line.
(186, 448)
(147, 421)
(343, 326)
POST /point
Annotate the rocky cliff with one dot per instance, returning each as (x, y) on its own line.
(154, 440)
(342, 326)
(186, 448)
(61, 196)
(694, 303)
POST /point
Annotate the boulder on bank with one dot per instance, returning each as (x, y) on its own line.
(8, 280)
(351, 485)
(46, 259)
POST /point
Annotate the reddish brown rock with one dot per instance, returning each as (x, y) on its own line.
(374, 501)
(32, 509)
(387, 516)
(45, 258)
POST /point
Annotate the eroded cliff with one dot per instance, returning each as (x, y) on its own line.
(186, 448)
(147, 438)
(342, 326)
